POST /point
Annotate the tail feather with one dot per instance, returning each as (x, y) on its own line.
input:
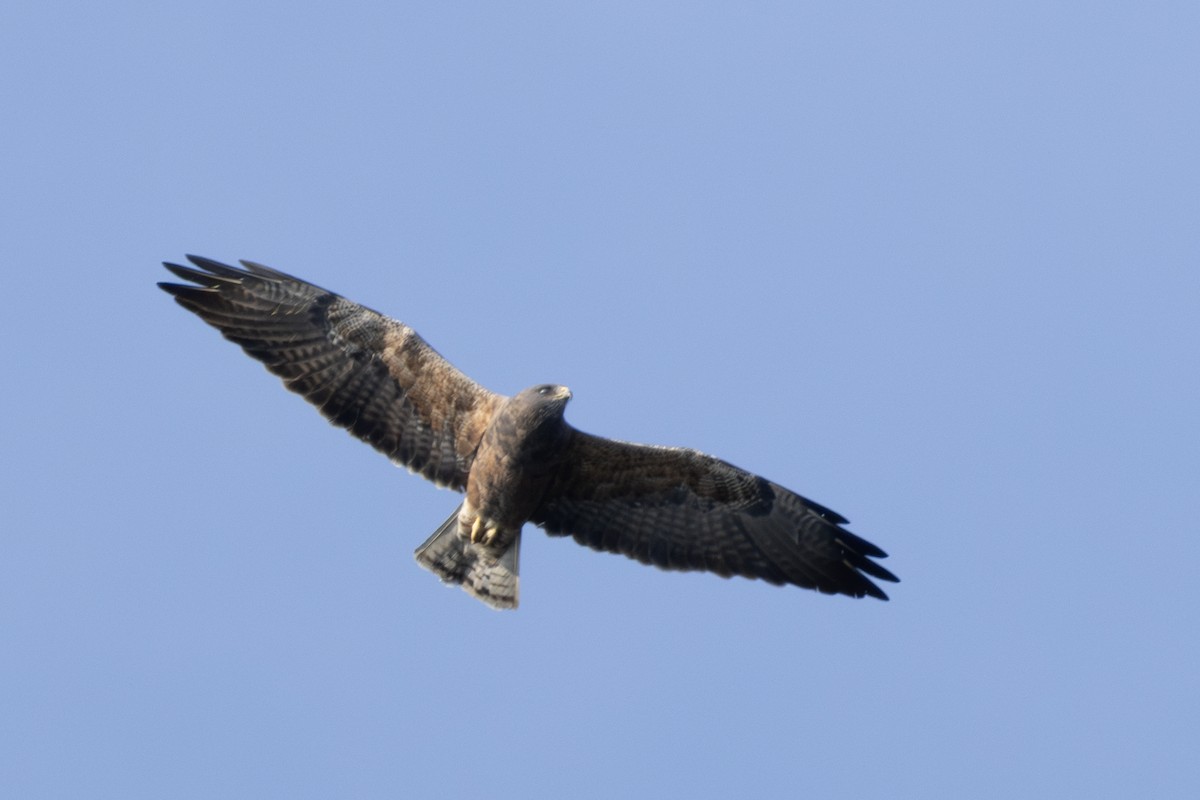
(481, 571)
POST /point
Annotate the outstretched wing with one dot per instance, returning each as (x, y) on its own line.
(683, 510)
(367, 373)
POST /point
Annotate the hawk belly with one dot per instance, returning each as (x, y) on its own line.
(478, 546)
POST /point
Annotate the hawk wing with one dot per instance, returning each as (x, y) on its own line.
(367, 373)
(683, 510)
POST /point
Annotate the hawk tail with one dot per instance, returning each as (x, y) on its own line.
(476, 568)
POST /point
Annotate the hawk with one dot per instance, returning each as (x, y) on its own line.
(516, 458)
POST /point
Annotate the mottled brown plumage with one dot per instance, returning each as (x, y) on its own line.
(516, 458)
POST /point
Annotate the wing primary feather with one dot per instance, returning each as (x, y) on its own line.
(216, 267)
(872, 569)
(264, 271)
(859, 544)
(208, 279)
(190, 297)
(826, 512)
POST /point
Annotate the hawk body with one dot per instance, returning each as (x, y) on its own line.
(516, 458)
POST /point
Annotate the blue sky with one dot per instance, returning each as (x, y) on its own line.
(934, 265)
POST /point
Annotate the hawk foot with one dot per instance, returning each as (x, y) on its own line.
(484, 534)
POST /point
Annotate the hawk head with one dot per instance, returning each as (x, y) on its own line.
(542, 403)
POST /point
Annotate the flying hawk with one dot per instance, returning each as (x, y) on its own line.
(516, 458)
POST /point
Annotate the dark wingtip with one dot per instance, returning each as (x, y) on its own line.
(216, 267)
(858, 587)
(208, 272)
(825, 512)
(264, 272)
(876, 571)
(859, 545)
(193, 298)
(857, 554)
(210, 279)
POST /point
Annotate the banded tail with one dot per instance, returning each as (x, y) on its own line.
(478, 569)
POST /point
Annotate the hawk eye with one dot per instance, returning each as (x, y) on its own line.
(545, 390)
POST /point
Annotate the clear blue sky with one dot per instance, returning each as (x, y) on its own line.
(935, 265)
